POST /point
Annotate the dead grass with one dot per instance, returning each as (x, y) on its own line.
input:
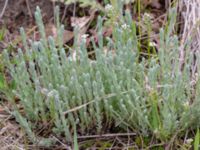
(10, 133)
(190, 29)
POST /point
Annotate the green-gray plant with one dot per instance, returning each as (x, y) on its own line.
(149, 96)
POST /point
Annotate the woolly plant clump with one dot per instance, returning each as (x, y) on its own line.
(155, 95)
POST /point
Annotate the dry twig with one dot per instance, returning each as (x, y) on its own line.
(107, 135)
(4, 8)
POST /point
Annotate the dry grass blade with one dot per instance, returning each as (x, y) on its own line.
(4, 8)
(107, 135)
(86, 104)
(190, 14)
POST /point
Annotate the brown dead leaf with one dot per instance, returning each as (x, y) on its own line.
(80, 21)
(152, 3)
(107, 32)
(155, 4)
(51, 30)
(67, 36)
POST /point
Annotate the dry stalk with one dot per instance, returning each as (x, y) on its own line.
(190, 13)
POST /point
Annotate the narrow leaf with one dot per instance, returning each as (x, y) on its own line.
(196, 140)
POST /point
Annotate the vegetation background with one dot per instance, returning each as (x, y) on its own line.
(141, 57)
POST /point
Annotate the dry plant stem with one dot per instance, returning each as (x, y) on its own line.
(64, 145)
(29, 10)
(170, 144)
(167, 4)
(93, 101)
(64, 14)
(74, 10)
(128, 141)
(186, 136)
(107, 135)
(113, 144)
(155, 145)
(120, 141)
(4, 8)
